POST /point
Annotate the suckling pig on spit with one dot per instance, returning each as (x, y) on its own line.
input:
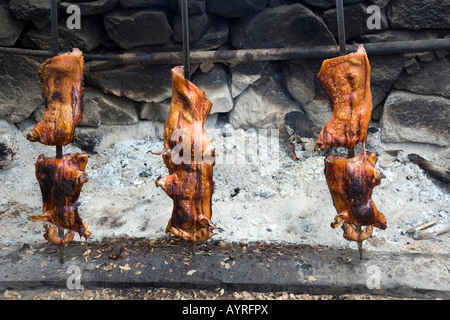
(346, 80)
(62, 80)
(60, 181)
(351, 182)
(190, 161)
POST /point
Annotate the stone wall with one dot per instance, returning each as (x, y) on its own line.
(411, 92)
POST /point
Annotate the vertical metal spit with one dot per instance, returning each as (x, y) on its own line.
(54, 27)
(186, 59)
(342, 52)
(55, 51)
(185, 37)
(341, 26)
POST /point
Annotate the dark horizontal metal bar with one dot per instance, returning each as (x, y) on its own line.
(26, 52)
(273, 54)
(381, 48)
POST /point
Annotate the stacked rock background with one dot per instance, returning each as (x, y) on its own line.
(411, 95)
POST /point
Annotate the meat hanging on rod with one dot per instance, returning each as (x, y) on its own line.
(62, 80)
(60, 181)
(190, 161)
(350, 178)
(346, 80)
(351, 182)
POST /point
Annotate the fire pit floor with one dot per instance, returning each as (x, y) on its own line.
(141, 263)
(272, 214)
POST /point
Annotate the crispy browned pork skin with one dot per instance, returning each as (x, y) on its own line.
(61, 180)
(351, 182)
(62, 80)
(346, 80)
(189, 182)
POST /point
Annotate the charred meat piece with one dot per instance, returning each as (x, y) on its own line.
(51, 235)
(346, 80)
(61, 180)
(190, 161)
(191, 187)
(351, 181)
(62, 79)
(188, 112)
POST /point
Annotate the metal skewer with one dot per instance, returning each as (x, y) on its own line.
(341, 26)
(186, 60)
(55, 51)
(342, 52)
(350, 153)
(194, 247)
(185, 37)
(360, 249)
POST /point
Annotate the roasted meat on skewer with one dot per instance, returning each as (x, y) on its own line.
(191, 187)
(188, 112)
(190, 161)
(62, 79)
(346, 80)
(351, 182)
(350, 178)
(61, 180)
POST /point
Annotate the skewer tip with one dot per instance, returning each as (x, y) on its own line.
(360, 250)
(193, 250)
(61, 248)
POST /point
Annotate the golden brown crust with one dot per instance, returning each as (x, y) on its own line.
(62, 81)
(191, 188)
(60, 181)
(351, 182)
(189, 107)
(189, 182)
(51, 235)
(346, 80)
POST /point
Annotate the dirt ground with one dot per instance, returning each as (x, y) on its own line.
(141, 269)
(174, 294)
